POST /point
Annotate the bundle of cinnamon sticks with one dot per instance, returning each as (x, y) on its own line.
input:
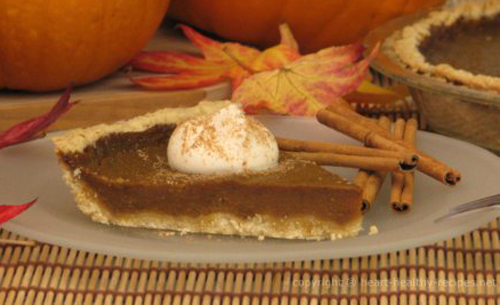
(344, 119)
(387, 150)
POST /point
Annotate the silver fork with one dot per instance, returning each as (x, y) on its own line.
(492, 202)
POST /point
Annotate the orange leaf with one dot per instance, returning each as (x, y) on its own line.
(214, 51)
(307, 84)
(172, 62)
(221, 61)
(279, 55)
(178, 81)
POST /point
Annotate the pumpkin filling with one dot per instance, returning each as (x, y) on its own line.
(468, 45)
(129, 173)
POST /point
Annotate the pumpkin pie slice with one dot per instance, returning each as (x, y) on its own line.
(120, 174)
(460, 45)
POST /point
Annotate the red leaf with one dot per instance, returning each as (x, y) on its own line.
(28, 129)
(220, 62)
(8, 212)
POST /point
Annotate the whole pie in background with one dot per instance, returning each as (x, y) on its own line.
(459, 45)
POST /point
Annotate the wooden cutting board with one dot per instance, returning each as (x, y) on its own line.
(111, 99)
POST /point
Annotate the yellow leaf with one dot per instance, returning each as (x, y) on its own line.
(370, 93)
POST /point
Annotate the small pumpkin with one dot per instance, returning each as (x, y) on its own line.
(47, 44)
(315, 23)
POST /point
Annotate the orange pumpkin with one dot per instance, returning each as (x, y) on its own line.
(315, 23)
(47, 44)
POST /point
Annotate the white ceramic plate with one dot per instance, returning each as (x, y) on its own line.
(30, 170)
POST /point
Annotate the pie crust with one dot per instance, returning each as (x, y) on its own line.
(406, 44)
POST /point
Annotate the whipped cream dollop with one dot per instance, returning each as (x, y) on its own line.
(224, 142)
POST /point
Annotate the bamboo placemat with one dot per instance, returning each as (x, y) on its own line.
(464, 270)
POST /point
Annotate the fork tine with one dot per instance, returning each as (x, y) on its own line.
(477, 204)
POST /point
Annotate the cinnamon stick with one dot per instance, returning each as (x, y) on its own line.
(363, 129)
(361, 180)
(359, 132)
(372, 188)
(406, 160)
(373, 182)
(368, 163)
(345, 110)
(397, 182)
(409, 178)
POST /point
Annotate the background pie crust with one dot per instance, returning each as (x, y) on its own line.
(405, 44)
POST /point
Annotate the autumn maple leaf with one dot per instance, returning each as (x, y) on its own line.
(26, 130)
(307, 84)
(220, 62)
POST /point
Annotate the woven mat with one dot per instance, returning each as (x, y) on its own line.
(464, 270)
